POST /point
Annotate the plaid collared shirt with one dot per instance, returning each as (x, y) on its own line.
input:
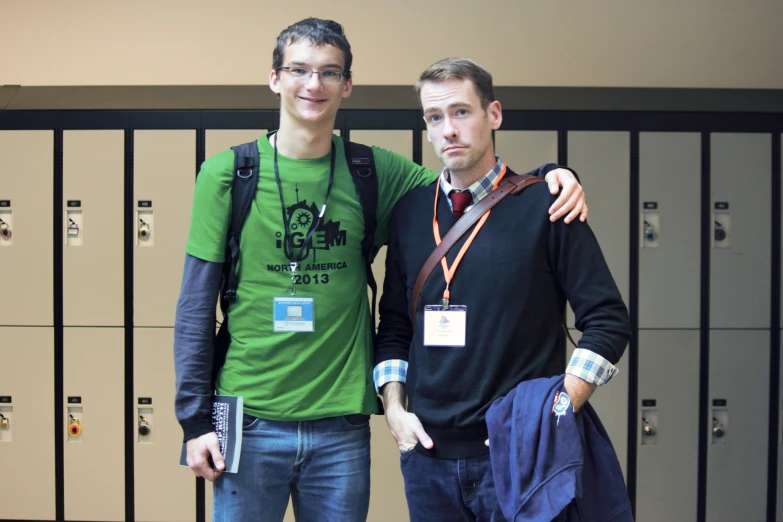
(584, 363)
(479, 189)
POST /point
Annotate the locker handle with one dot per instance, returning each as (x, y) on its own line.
(717, 428)
(5, 230)
(648, 429)
(649, 231)
(75, 428)
(144, 229)
(720, 233)
(144, 428)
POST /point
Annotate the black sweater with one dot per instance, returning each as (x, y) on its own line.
(514, 280)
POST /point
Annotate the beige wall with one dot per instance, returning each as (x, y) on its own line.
(633, 43)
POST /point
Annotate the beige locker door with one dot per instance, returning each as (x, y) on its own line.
(737, 461)
(667, 463)
(740, 272)
(26, 203)
(93, 232)
(94, 461)
(164, 174)
(165, 491)
(387, 497)
(669, 268)
(26, 446)
(526, 150)
(218, 140)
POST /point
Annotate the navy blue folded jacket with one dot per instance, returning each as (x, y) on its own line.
(550, 464)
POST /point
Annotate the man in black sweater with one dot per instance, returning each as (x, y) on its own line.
(486, 321)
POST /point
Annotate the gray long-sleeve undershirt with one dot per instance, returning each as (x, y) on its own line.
(194, 334)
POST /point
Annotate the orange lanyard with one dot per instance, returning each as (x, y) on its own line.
(448, 273)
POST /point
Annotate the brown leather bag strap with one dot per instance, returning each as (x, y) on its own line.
(510, 185)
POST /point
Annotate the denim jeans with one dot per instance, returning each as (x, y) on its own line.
(322, 465)
(449, 490)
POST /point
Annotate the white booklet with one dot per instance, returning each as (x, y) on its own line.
(227, 422)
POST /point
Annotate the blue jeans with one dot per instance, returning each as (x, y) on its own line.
(322, 465)
(449, 490)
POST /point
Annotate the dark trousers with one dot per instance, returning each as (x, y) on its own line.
(449, 490)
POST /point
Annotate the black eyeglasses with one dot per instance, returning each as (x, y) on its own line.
(304, 74)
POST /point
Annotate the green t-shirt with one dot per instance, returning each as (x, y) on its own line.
(299, 375)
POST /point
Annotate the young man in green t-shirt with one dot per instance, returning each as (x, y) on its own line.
(306, 381)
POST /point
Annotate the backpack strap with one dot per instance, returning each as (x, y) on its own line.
(243, 191)
(361, 163)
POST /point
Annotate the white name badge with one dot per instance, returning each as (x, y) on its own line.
(293, 314)
(445, 327)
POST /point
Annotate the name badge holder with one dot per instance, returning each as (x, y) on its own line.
(445, 325)
(294, 313)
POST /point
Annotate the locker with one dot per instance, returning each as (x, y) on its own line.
(93, 231)
(165, 491)
(164, 166)
(27, 481)
(779, 420)
(94, 416)
(218, 140)
(26, 206)
(667, 455)
(611, 403)
(737, 438)
(385, 470)
(740, 276)
(525, 150)
(603, 161)
(670, 250)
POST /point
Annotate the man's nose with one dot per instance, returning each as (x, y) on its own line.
(449, 129)
(314, 82)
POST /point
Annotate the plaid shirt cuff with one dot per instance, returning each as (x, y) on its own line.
(591, 367)
(393, 370)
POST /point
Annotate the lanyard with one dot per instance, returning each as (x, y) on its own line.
(448, 273)
(288, 242)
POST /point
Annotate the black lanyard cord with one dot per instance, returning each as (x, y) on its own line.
(288, 243)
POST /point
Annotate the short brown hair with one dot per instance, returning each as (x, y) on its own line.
(459, 69)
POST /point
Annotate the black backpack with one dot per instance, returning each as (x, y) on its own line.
(361, 163)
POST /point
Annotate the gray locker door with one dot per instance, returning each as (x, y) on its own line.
(611, 403)
(94, 373)
(26, 203)
(27, 480)
(603, 161)
(670, 179)
(779, 420)
(740, 275)
(667, 462)
(164, 166)
(739, 401)
(526, 150)
(93, 232)
(165, 491)
(387, 497)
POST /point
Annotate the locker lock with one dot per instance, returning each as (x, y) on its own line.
(144, 229)
(648, 429)
(4, 425)
(720, 232)
(73, 227)
(144, 428)
(717, 429)
(649, 232)
(74, 428)
(5, 230)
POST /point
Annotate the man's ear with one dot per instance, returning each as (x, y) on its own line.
(347, 87)
(495, 113)
(274, 82)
